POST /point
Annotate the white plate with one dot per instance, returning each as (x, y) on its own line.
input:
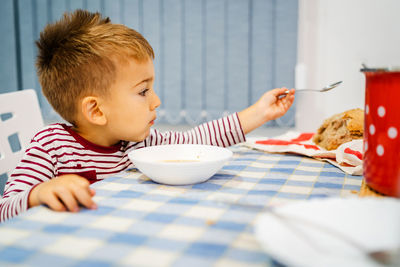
(180, 164)
(372, 222)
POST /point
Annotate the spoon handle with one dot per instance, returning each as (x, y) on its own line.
(308, 90)
(315, 90)
(325, 89)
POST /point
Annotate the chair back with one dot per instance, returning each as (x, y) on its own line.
(20, 119)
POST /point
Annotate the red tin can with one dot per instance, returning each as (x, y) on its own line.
(382, 130)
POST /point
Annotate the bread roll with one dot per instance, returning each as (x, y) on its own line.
(340, 128)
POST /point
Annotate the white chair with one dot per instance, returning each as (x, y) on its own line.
(20, 119)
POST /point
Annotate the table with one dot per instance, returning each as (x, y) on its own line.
(141, 223)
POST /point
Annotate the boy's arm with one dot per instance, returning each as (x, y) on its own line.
(35, 167)
(231, 129)
(35, 172)
(268, 107)
(224, 132)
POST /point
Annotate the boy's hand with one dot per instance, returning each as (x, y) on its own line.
(271, 105)
(63, 193)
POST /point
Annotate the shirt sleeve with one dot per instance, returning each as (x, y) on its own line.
(35, 167)
(224, 132)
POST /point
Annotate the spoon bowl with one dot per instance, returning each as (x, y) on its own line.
(328, 87)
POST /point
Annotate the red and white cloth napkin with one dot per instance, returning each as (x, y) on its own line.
(348, 156)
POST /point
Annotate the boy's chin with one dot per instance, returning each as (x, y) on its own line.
(140, 138)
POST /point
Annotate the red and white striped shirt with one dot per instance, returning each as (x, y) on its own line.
(58, 150)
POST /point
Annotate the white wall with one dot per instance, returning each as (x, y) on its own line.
(335, 37)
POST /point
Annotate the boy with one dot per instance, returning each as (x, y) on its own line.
(99, 77)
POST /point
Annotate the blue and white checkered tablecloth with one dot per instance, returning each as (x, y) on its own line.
(141, 223)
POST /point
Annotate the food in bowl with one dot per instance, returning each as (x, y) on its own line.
(180, 164)
(340, 128)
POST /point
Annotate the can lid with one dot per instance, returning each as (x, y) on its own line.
(380, 69)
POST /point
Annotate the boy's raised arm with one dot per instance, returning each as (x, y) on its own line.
(224, 132)
(231, 129)
(268, 107)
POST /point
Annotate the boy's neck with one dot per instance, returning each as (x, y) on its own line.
(95, 135)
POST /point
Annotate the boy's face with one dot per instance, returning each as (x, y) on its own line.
(131, 107)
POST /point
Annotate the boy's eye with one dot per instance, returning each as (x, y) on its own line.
(143, 92)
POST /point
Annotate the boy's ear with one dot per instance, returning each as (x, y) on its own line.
(92, 112)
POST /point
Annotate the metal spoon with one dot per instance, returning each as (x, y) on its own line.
(326, 88)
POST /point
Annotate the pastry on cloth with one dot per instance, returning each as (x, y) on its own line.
(340, 128)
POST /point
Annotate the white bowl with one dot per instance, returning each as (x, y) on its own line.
(180, 164)
(331, 231)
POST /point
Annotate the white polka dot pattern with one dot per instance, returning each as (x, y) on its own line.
(381, 155)
(379, 150)
(392, 132)
(381, 111)
(372, 129)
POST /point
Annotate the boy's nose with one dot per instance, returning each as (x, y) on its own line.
(156, 102)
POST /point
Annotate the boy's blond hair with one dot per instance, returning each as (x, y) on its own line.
(78, 55)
